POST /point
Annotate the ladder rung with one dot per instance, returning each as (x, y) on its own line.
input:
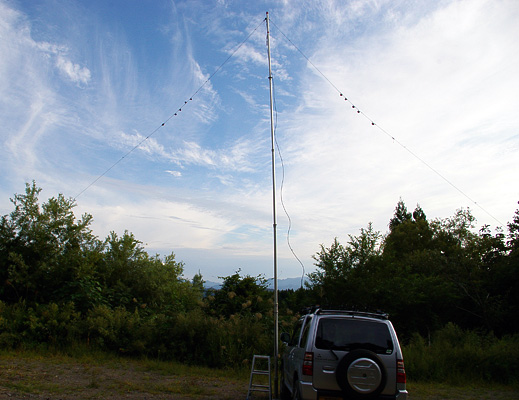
(256, 372)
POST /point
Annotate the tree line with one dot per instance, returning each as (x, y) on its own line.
(426, 273)
(61, 286)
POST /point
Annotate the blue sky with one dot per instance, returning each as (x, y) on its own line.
(84, 82)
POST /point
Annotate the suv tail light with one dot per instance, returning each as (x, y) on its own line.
(400, 372)
(308, 364)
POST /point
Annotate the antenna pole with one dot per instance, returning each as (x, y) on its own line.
(276, 307)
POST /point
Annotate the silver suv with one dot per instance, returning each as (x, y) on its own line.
(342, 354)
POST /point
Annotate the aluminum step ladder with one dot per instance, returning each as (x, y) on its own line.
(257, 371)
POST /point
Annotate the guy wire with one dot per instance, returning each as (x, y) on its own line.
(172, 115)
(353, 106)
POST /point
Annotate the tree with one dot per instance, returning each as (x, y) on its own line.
(44, 248)
(47, 255)
(131, 278)
(198, 281)
(513, 236)
(239, 295)
(407, 233)
(509, 282)
(331, 273)
(344, 270)
(401, 215)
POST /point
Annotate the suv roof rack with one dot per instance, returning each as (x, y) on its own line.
(353, 313)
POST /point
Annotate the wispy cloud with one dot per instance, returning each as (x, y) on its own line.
(176, 224)
(238, 157)
(28, 104)
(207, 100)
(74, 72)
(146, 144)
(247, 54)
(176, 174)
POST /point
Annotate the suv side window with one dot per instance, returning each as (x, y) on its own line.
(306, 330)
(294, 339)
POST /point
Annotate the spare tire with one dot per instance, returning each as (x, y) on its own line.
(361, 374)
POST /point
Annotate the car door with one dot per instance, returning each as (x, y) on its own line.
(289, 362)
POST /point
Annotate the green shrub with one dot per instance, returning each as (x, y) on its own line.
(117, 330)
(57, 325)
(12, 324)
(191, 337)
(241, 337)
(458, 356)
(501, 361)
(54, 324)
(196, 338)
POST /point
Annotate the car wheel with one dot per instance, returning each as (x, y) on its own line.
(361, 374)
(296, 394)
(284, 393)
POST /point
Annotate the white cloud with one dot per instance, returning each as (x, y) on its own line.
(51, 48)
(237, 157)
(28, 106)
(176, 174)
(74, 72)
(247, 54)
(163, 224)
(207, 98)
(146, 144)
(193, 153)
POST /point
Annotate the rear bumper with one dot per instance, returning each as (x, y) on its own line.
(309, 393)
(402, 395)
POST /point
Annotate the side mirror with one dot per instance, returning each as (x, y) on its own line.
(285, 337)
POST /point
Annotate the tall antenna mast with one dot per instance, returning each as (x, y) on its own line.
(274, 225)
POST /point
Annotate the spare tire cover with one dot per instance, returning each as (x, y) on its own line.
(361, 374)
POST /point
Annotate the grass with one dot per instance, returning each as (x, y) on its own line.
(101, 375)
(479, 391)
(97, 375)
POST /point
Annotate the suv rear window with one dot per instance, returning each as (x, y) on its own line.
(349, 334)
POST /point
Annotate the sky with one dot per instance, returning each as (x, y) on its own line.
(154, 116)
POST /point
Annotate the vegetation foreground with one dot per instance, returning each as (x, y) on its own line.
(44, 375)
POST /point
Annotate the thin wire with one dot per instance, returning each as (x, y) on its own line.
(283, 184)
(353, 106)
(172, 115)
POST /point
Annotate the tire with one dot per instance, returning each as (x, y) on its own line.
(284, 393)
(296, 394)
(361, 375)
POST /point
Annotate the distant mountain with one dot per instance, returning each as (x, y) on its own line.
(212, 285)
(283, 284)
(288, 283)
